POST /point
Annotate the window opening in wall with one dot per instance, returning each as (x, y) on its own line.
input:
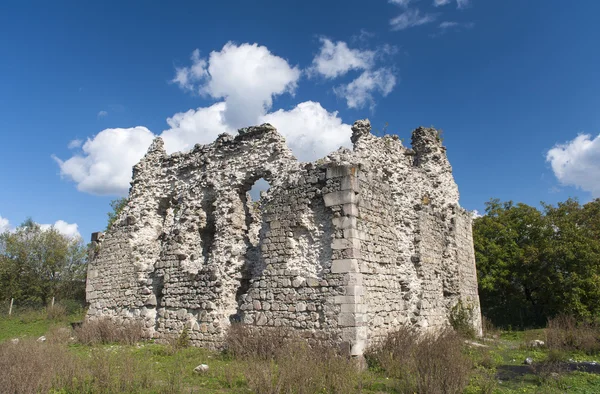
(261, 185)
(250, 195)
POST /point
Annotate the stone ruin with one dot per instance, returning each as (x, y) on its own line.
(344, 249)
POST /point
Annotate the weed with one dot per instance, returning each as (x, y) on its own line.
(56, 312)
(300, 368)
(566, 333)
(106, 330)
(279, 360)
(489, 330)
(243, 341)
(429, 363)
(461, 319)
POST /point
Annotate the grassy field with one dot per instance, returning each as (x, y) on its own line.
(62, 364)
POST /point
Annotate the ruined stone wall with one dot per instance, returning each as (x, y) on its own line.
(344, 249)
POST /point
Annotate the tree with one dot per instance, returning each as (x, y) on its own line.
(117, 206)
(534, 264)
(37, 264)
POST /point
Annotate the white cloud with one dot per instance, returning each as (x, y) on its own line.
(411, 18)
(102, 114)
(359, 92)
(401, 3)
(246, 76)
(75, 144)
(336, 59)
(310, 130)
(459, 3)
(67, 229)
(463, 3)
(475, 214)
(104, 167)
(577, 163)
(4, 224)
(448, 25)
(200, 126)
(188, 77)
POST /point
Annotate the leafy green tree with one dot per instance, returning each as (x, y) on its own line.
(37, 264)
(117, 206)
(533, 265)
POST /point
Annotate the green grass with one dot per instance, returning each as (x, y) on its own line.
(32, 323)
(173, 369)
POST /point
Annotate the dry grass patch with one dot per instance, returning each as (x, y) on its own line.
(279, 361)
(565, 333)
(33, 367)
(423, 363)
(106, 330)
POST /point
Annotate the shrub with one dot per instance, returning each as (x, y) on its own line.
(429, 363)
(280, 361)
(178, 342)
(461, 319)
(489, 329)
(300, 368)
(243, 341)
(106, 330)
(566, 333)
(34, 367)
(56, 312)
(183, 340)
(31, 367)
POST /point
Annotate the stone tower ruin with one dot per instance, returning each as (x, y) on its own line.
(344, 249)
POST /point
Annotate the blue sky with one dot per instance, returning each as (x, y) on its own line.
(514, 84)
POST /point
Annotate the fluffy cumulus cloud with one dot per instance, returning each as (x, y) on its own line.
(68, 229)
(104, 164)
(577, 163)
(4, 224)
(199, 126)
(243, 80)
(411, 18)
(310, 130)
(359, 92)
(246, 76)
(336, 59)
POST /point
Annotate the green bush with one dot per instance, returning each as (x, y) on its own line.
(461, 319)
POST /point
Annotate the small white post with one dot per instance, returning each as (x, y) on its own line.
(52, 303)
(10, 308)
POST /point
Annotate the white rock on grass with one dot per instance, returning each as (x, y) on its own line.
(537, 343)
(202, 368)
